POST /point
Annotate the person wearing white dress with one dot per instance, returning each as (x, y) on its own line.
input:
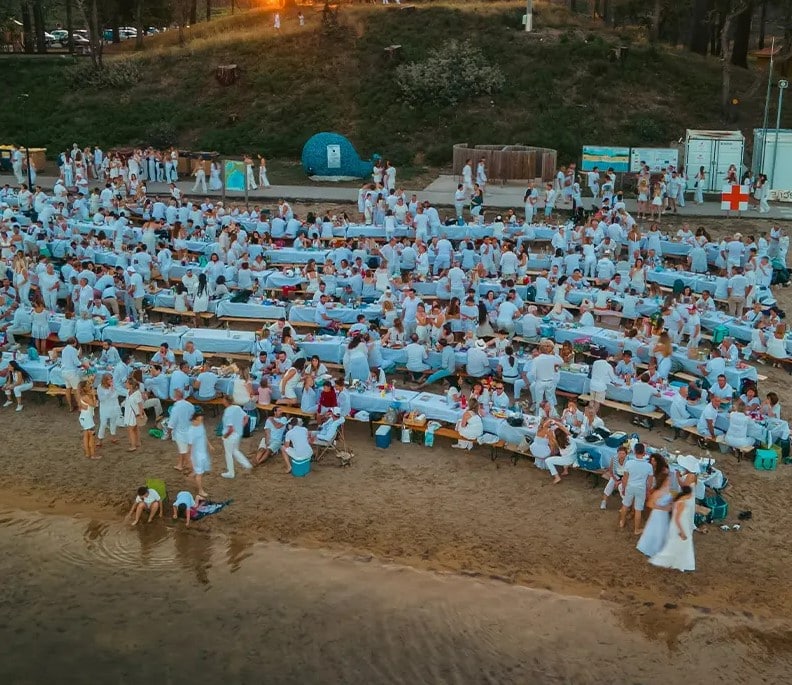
(262, 172)
(133, 410)
(87, 403)
(656, 529)
(215, 183)
(678, 552)
(109, 409)
(249, 176)
(470, 427)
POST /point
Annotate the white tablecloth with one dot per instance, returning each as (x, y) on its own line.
(145, 335)
(219, 340)
(250, 310)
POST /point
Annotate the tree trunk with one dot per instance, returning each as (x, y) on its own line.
(208, 10)
(193, 12)
(700, 29)
(727, 47)
(90, 12)
(573, 6)
(762, 22)
(69, 26)
(40, 27)
(232, 6)
(742, 37)
(139, 24)
(27, 27)
(655, 30)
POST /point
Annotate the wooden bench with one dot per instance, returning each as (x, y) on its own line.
(244, 319)
(652, 416)
(300, 324)
(442, 432)
(286, 409)
(740, 452)
(167, 311)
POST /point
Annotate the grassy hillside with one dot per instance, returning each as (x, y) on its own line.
(562, 89)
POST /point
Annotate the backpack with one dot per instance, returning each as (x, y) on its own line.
(530, 294)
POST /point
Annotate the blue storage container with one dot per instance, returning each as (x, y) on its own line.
(382, 438)
(300, 468)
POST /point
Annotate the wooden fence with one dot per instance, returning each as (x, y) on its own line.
(508, 162)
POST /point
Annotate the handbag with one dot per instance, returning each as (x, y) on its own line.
(142, 419)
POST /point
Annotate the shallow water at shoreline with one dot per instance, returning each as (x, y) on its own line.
(105, 602)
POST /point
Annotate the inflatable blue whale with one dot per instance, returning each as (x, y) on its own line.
(332, 157)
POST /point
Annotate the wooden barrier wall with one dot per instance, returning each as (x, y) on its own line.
(508, 162)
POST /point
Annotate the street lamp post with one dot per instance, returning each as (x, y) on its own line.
(783, 84)
(24, 97)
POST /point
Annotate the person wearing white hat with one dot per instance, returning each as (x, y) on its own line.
(477, 363)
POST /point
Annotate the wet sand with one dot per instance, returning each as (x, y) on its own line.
(95, 601)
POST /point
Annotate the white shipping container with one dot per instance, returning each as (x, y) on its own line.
(716, 151)
(780, 178)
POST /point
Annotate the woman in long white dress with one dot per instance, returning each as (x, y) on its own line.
(677, 552)
(214, 177)
(262, 172)
(655, 531)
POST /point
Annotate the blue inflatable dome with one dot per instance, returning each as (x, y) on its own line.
(331, 157)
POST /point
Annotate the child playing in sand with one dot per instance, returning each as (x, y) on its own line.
(147, 499)
(184, 504)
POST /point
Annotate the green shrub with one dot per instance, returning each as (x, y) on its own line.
(115, 74)
(454, 72)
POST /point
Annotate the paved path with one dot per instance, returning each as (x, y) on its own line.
(440, 193)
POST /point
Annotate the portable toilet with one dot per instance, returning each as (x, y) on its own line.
(777, 166)
(716, 151)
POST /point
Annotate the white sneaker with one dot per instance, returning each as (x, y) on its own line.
(227, 475)
(19, 407)
(603, 505)
(8, 403)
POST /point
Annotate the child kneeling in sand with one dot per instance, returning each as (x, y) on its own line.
(184, 504)
(147, 499)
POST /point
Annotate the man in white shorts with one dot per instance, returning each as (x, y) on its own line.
(181, 414)
(638, 473)
(71, 365)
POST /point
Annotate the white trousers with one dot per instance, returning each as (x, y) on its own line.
(232, 452)
(552, 462)
(109, 417)
(545, 390)
(200, 180)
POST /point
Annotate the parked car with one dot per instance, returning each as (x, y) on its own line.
(60, 34)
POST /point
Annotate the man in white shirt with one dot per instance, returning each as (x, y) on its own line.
(234, 422)
(136, 291)
(181, 414)
(602, 374)
(416, 358)
(706, 422)
(193, 356)
(410, 309)
(71, 366)
(638, 473)
(546, 366)
(678, 412)
(296, 444)
(507, 312)
(714, 367)
(722, 390)
(737, 289)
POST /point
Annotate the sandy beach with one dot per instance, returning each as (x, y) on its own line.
(438, 510)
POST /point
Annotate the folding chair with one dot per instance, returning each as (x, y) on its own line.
(328, 437)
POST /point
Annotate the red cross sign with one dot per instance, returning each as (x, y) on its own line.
(734, 198)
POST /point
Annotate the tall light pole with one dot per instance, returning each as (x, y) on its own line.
(24, 97)
(783, 84)
(766, 110)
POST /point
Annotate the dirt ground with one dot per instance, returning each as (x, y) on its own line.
(439, 509)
